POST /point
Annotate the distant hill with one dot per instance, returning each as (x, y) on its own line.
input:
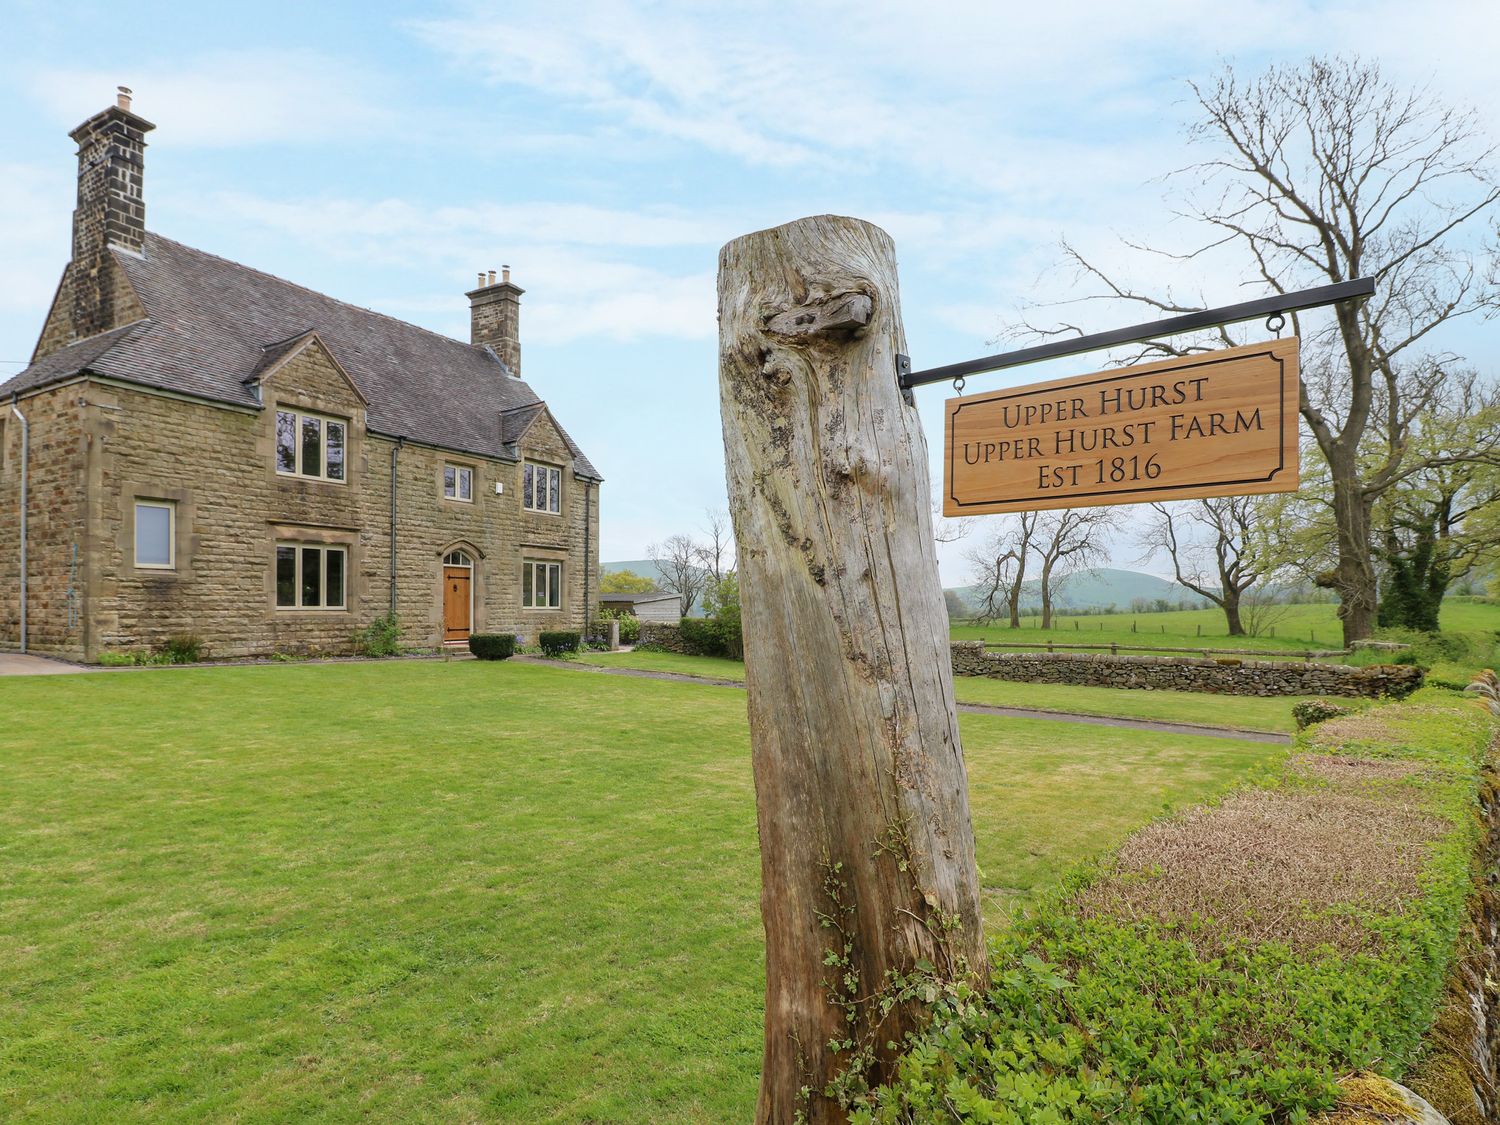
(648, 569)
(1097, 589)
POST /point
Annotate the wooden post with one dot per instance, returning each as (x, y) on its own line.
(870, 894)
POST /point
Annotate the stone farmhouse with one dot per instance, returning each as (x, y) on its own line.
(199, 448)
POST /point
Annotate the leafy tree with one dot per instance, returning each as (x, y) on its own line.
(626, 582)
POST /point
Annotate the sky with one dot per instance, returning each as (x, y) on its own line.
(385, 153)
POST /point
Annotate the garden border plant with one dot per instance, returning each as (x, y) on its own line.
(1112, 998)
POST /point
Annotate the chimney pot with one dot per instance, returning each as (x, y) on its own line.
(122, 97)
(492, 277)
(506, 272)
(481, 279)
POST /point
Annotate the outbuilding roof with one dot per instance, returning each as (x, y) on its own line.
(211, 325)
(639, 599)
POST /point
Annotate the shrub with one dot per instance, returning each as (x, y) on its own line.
(701, 636)
(1312, 711)
(118, 659)
(630, 624)
(381, 637)
(558, 643)
(492, 646)
(183, 649)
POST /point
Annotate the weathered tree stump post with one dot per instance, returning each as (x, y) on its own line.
(870, 892)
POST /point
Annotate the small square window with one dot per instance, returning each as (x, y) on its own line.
(155, 528)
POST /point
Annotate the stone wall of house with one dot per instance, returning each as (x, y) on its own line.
(57, 528)
(216, 465)
(1161, 673)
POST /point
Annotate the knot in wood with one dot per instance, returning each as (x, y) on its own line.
(836, 315)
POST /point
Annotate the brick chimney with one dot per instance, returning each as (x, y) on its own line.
(495, 317)
(110, 212)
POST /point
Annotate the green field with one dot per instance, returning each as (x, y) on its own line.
(1298, 627)
(1238, 711)
(453, 891)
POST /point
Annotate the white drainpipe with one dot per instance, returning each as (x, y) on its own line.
(25, 458)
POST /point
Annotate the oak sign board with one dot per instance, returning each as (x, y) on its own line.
(1217, 424)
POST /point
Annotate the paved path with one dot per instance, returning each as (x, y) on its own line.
(14, 664)
(1159, 726)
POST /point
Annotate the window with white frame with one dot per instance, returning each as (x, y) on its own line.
(541, 488)
(310, 445)
(156, 534)
(541, 584)
(458, 482)
(311, 577)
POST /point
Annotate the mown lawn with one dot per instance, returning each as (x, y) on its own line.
(1238, 711)
(436, 891)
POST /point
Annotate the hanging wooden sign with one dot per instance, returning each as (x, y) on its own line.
(1217, 424)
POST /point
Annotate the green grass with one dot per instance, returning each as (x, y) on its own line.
(712, 667)
(1298, 628)
(454, 891)
(1241, 712)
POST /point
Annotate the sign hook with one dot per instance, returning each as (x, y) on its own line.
(958, 385)
(1275, 323)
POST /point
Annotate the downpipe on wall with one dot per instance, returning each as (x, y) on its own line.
(25, 504)
(395, 453)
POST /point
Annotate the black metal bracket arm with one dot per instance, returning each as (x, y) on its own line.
(1357, 290)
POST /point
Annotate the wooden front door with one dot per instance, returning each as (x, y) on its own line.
(456, 603)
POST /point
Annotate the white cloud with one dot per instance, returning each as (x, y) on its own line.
(294, 96)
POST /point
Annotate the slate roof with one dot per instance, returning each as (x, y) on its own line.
(639, 599)
(212, 325)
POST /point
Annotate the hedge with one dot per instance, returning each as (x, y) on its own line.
(492, 646)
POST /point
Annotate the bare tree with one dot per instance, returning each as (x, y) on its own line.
(947, 529)
(999, 568)
(677, 560)
(1214, 549)
(717, 555)
(1071, 540)
(1326, 172)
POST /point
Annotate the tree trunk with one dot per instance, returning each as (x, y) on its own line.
(1354, 572)
(1231, 607)
(867, 852)
(1046, 596)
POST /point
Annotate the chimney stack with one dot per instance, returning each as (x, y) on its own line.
(495, 317)
(111, 209)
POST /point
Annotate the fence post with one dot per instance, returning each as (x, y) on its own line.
(867, 851)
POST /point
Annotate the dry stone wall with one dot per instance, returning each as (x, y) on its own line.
(663, 637)
(1160, 673)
